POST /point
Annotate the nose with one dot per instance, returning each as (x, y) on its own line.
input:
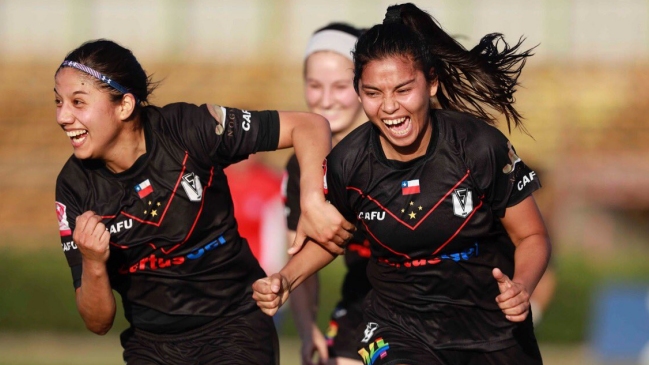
(389, 105)
(327, 99)
(64, 115)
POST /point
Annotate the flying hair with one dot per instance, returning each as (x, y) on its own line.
(472, 81)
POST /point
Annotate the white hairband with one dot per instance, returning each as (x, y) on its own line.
(331, 40)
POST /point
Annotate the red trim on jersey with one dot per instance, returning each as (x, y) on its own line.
(382, 244)
(424, 217)
(466, 220)
(198, 215)
(164, 213)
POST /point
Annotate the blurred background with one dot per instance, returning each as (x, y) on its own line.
(584, 94)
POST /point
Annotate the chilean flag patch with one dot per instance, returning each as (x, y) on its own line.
(144, 188)
(410, 187)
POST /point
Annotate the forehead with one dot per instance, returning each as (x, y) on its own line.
(390, 69)
(70, 79)
(328, 61)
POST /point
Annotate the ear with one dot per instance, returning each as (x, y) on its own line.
(127, 106)
(433, 85)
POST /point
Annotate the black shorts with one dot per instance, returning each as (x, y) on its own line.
(392, 337)
(247, 339)
(342, 334)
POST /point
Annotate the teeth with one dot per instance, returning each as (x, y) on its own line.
(394, 121)
(73, 134)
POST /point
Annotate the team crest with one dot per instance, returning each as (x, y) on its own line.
(462, 202)
(192, 185)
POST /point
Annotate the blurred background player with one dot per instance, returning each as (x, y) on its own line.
(329, 91)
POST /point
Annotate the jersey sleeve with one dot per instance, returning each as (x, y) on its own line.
(335, 187)
(500, 173)
(225, 135)
(67, 210)
(292, 193)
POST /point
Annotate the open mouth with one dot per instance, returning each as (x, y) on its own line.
(398, 126)
(77, 136)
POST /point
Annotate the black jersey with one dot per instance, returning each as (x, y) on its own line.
(174, 246)
(357, 253)
(433, 222)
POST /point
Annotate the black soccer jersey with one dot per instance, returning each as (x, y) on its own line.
(355, 284)
(434, 223)
(174, 247)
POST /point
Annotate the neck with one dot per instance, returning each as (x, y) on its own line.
(130, 145)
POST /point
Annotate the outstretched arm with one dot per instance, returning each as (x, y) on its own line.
(525, 227)
(310, 135)
(95, 299)
(272, 292)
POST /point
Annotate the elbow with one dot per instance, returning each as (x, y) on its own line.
(98, 328)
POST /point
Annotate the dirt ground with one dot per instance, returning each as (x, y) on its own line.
(59, 349)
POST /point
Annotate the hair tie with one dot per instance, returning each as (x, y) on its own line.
(393, 16)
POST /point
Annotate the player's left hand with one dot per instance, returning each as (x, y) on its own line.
(321, 222)
(514, 300)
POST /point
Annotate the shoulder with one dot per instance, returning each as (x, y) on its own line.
(354, 144)
(173, 112)
(74, 178)
(467, 132)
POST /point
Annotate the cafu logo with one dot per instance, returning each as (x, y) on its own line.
(192, 185)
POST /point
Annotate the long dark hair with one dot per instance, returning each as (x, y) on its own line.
(468, 80)
(116, 62)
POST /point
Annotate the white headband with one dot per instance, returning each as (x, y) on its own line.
(331, 40)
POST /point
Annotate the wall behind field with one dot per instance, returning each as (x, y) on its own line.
(584, 93)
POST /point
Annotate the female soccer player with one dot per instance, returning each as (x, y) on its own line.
(457, 241)
(144, 209)
(329, 91)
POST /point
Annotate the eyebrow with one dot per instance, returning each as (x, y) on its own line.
(74, 93)
(396, 87)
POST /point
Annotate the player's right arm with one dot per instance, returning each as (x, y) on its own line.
(95, 299)
(272, 292)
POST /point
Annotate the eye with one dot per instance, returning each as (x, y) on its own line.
(403, 91)
(57, 102)
(77, 102)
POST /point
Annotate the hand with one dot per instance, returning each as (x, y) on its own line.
(322, 223)
(315, 344)
(270, 293)
(92, 238)
(514, 300)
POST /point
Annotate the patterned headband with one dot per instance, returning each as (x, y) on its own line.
(103, 78)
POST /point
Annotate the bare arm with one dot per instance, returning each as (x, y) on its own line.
(304, 306)
(272, 292)
(310, 135)
(95, 299)
(525, 227)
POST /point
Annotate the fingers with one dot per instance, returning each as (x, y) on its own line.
(270, 293)
(513, 299)
(298, 243)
